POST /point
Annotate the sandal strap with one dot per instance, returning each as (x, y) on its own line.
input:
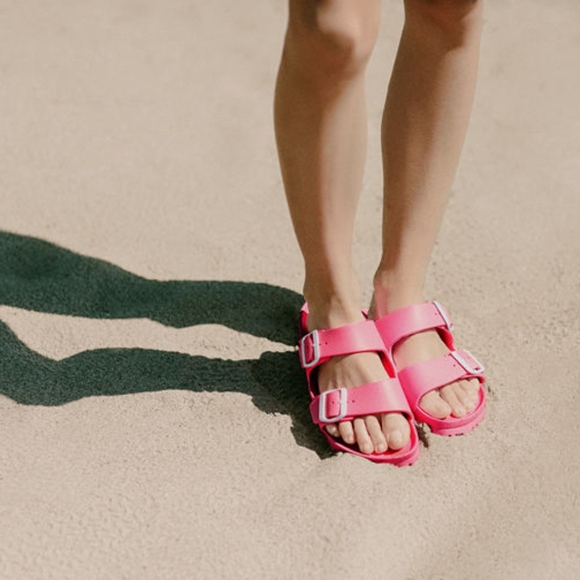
(319, 345)
(336, 405)
(414, 319)
(420, 378)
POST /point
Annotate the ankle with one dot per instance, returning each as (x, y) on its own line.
(329, 308)
(392, 291)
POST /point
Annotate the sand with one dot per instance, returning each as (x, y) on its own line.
(154, 418)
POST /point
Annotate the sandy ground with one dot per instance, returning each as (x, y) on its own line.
(153, 418)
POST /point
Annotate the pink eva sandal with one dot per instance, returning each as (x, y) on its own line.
(423, 377)
(343, 404)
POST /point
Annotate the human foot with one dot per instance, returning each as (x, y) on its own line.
(443, 386)
(457, 399)
(372, 433)
(348, 364)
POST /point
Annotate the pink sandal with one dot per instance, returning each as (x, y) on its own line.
(385, 396)
(420, 378)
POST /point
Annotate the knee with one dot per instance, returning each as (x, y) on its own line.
(456, 20)
(332, 38)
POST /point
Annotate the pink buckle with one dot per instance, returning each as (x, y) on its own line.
(315, 347)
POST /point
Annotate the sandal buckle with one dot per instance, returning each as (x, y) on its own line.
(444, 316)
(477, 370)
(343, 403)
(313, 336)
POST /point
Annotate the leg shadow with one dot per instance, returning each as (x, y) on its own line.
(40, 276)
(274, 381)
(37, 275)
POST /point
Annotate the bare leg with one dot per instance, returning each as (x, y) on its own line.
(320, 119)
(424, 124)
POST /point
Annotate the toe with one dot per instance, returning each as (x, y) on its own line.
(346, 432)
(466, 395)
(376, 434)
(471, 388)
(332, 430)
(363, 439)
(451, 395)
(435, 406)
(397, 430)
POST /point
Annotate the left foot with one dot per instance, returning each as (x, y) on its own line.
(456, 399)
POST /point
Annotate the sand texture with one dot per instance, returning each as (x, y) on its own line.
(153, 417)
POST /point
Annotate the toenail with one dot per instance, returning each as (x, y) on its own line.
(396, 438)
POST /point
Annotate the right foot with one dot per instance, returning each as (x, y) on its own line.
(372, 433)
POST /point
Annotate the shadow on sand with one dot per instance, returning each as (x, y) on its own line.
(40, 276)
